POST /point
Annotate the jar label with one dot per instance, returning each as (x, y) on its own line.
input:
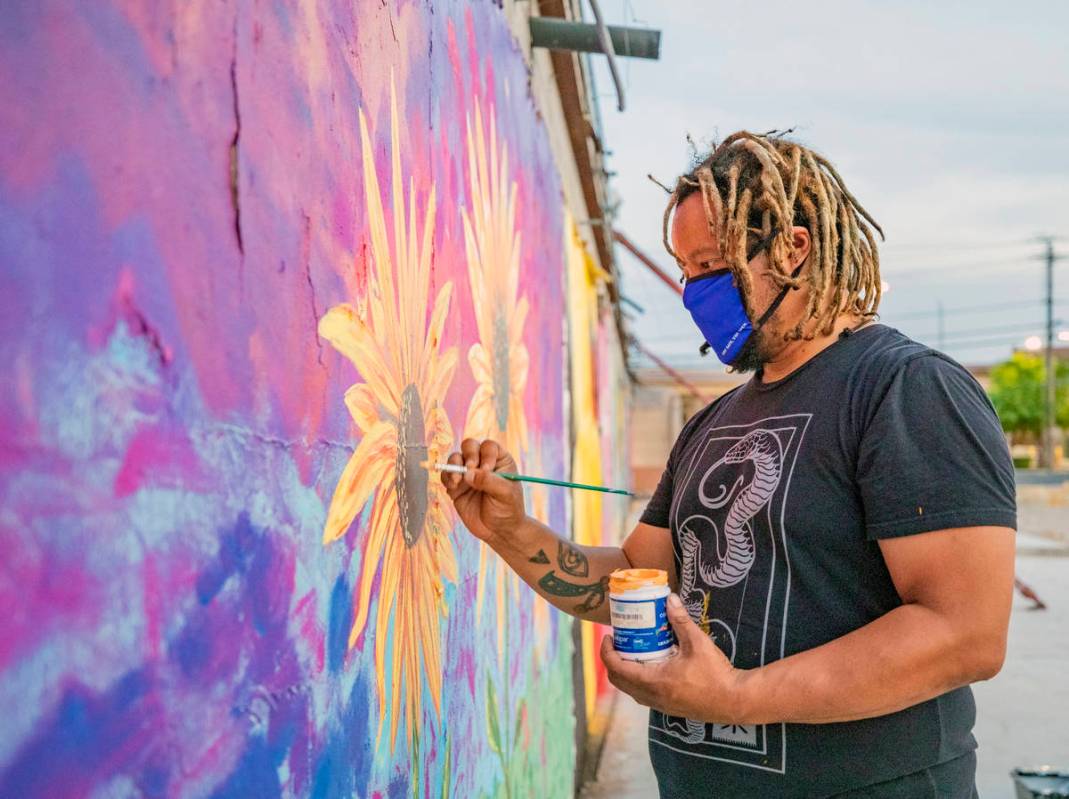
(640, 625)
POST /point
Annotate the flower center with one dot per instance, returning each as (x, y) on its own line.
(501, 371)
(412, 479)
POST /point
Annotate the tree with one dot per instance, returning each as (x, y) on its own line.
(1018, 389)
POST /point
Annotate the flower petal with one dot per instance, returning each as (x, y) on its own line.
(445, 556)
(517, 425)
(367, 467)
(425, 370)
(397, 658)
(516, 323)
(480, 421)
(479, 360)
(383, 521)
(439, 431)
(441, 370)
(346, 331)
(363, 406)
(437, 323)
(391, 569)
(519, 362)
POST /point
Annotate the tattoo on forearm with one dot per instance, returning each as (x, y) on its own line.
(572, 560)
(594, 592)
(596, 598)
(541, 557)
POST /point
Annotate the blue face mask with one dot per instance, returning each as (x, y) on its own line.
(716, 306)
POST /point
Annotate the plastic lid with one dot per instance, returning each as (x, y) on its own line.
(623, 580)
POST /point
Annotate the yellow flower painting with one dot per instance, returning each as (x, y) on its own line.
(499, 360)
(398, 410)
(540, 608)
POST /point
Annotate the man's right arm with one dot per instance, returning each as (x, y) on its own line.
(573, 578)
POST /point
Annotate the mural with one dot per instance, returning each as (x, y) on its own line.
(499, 360)
(403, 425)
(261, 261)
(591, 510)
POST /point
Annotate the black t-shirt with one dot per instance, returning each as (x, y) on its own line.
(776, 495)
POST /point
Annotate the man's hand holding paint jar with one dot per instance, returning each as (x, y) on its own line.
(698, 682)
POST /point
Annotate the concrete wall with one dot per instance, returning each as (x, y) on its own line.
(259, 260)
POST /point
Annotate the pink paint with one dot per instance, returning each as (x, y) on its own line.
(161, 458)
(44, 595)
(153, 606)
(311, 630)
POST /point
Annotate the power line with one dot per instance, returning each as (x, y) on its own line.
(937, 270)
(980, 331)
(991, 306)
(951, 246)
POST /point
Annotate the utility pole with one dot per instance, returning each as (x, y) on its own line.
(1047, 460)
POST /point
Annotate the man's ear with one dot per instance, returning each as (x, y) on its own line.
(802, 245)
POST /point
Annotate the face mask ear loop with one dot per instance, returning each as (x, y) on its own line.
(779, 299)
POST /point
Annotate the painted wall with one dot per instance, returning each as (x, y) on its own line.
(600, 417)
(257, 262)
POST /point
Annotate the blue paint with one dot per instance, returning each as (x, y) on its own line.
(192, 648)
(398, 786)
(19, 19)
(154, 780)
(256, 775)
(208, 646)
(235, 553)
(282, 14)
(124, 44)
(265, 595)
(341, 618)
(346, 756)
(86, 732)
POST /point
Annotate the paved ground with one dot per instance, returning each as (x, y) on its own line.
(1022, 715)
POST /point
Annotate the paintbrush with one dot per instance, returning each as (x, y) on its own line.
(526, 478)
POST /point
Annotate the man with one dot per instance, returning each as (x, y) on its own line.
(839, 531)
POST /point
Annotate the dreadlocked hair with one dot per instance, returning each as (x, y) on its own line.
(759, 186)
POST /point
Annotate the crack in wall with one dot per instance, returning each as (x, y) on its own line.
(235, 174)
(142, 328)
(389, 16)
(224, 428)
(306, 263)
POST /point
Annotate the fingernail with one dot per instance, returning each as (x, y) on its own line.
(673, 602)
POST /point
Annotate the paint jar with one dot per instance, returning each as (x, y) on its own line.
(638, 606)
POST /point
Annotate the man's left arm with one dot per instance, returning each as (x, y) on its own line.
(956, 587)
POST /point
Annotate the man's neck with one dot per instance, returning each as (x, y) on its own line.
(796, 353)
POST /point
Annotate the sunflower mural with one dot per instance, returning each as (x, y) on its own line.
(499, 360)
(540, 608)
(398, 410)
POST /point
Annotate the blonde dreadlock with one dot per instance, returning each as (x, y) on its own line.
(756, 185)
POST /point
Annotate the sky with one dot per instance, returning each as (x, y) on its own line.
(949, 121)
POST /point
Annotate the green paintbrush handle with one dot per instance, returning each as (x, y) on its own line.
(522, 478)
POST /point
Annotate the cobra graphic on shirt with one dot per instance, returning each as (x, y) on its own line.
(729, 529)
